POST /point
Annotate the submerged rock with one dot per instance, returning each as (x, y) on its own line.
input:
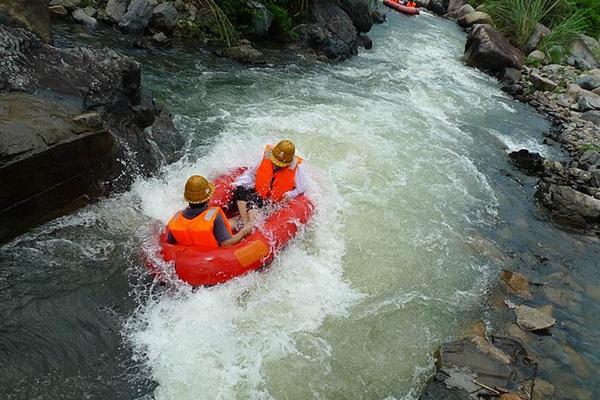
(243, 53)
(466, 367)
(531, 319)
(487, 49)
(516, 283)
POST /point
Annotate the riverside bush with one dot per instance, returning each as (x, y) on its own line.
(517, 19)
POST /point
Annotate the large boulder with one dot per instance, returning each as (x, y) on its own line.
(164, 18)
(122, 135)
(455, 5)
(539, 32)
(332, 32)
(138, 16)
(29, 14)
(359, 12)
(464, 10)
(570, 208)
(527, 161)
(581, 56)
(487, 49)
(476, 17)
(466, 366)
(437, 7)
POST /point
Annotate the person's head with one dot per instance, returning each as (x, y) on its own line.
(198, 190)
(282, 154)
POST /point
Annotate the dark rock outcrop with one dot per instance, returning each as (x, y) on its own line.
(488, 50)
(532, 163)
(52, 157)
(359, 12)
(164, 18)
(29, 14)
(468, 368)
(332, 33)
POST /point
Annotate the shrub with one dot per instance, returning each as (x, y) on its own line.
(565, 31)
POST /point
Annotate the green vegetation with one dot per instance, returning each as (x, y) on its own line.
(286, 14)
(589, 146)
(517, 19)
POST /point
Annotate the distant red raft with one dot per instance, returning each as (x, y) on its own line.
(401, 8)
(200, 267)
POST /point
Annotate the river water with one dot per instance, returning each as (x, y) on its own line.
(418, 210)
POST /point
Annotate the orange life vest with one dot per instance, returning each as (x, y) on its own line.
(199, 230)
(273, 185)
(411, 4)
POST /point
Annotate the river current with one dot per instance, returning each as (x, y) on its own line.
(417, 209)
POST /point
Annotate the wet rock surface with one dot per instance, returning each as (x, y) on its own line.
(120, 135)
(28, 14)
(476, 367)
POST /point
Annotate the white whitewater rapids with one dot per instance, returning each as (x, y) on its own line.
(384, 273)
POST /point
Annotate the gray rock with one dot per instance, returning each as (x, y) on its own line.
(511, 75)
(589, 82)
(542, 83)
(589, 159)
(31, 14)
(595, 178)
(243, 53)
(581, 56)
(91, 11)
(138, 16)
(464, 10)
(593, 116)
(503, 362)
(476, 17)
(569, 207)
(164, 18)
(588, 101)
(487, 49)
(80, 16)
(359, 12)
(92, 120)
(261, 18)
(539, 32)
(160, 38)
(536, 57)
(531, 319)
(115, 9)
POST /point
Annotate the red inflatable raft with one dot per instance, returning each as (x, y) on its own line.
(401, 8)
(200, 267)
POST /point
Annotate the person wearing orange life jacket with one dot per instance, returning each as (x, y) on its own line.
(278, 175)
(200, 225)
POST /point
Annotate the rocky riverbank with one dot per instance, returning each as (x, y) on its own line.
(74, 125)
(568, 191)
(331, 30)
